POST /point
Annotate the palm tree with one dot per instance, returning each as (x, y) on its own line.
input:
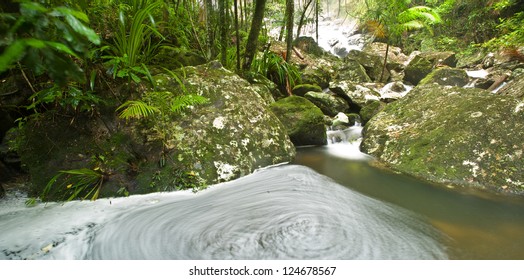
(391, 19)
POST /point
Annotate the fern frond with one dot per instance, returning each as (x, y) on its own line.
(182, 102)
(377, 28)
(136, 109)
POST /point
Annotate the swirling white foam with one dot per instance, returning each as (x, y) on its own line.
(286, 212)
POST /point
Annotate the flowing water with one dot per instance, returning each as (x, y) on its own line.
(290, 211)
(477, 226)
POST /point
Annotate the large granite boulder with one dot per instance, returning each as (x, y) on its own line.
(357, 96)
(373, 64)
(417, 69)
(447, 77)
(457, 136)
(305, 122)
(228, 137)
(330, 104)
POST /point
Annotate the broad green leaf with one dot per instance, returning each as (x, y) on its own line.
(77, 14)
(79, 27)
(12, 54)
(61, 47)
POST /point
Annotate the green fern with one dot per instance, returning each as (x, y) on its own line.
(136, 109)
(180, 103)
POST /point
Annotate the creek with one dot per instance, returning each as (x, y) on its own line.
(331, 203)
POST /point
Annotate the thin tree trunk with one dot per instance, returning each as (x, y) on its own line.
(210, 22)
(385, 63)
(290, 11)
(237, 34)
(302, 16)
(222, 6)
(252, 40)
(317, 9)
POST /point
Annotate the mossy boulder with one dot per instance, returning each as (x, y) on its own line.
(330, 104)
(352, 71)
(441, 58)
(370, 110)
(458, 136)
(447, 77)
(305, 122)
(357, 96)
(228, 137)
(308, 45)
(372, 63)
(514, 87)
(417, 69)
(302, 89)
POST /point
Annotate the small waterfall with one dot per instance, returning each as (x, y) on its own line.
(345, 143)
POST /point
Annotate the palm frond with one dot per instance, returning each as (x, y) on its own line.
(136, 109)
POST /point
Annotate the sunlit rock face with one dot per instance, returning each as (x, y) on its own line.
(459, 136)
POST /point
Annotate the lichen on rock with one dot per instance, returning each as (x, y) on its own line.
(460, 136)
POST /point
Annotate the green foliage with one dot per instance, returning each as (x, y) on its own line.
(274, 67)
(391, 19)
(46, 40)
(78, 183)
(134, 45)
(69, 96)
(512, 32)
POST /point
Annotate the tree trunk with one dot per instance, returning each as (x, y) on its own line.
(237, 34)
(223, 22)
(252, 40)
(317, 8)
(210, 36)
(290, 11)
(385, 63)
(302, 16)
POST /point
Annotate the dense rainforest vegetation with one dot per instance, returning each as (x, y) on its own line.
(81, 59)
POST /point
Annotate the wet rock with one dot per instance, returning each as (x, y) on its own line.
(330, 104)
(417, 69)
(303, 120)
(458, 136)
(447, 77)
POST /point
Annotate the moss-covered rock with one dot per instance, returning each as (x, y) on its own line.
(352, 71)
(230, 136)
(309, 45)
(458, 136)
(371, 62)
(370, 110)
(304, 121)
(301, 90)
(418, 68)
(441, 58)
(330, 104)
(514, 87)
(447, 77)
(357, 96)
